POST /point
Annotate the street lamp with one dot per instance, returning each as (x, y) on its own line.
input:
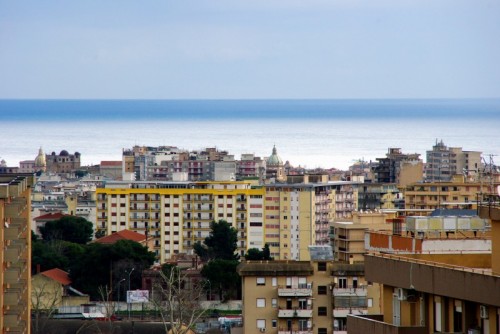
(128, 292)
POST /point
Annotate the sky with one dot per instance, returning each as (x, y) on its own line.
(255, 49)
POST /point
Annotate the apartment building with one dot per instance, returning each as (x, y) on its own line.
(298, 215)
(15, 211)
(398, 168)
(444, 162)
(175, 215)
(376, 196)
(456, 193)
(440, 284)
(287, 297)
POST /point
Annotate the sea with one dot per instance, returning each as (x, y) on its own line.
(307, 133)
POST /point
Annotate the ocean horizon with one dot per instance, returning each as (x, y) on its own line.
(71, 109)
(310, 133)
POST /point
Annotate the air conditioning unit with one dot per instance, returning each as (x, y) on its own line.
(263, 329)
(483, 312)
(401, 293)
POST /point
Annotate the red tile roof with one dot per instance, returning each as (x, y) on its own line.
(58, 275)
(121, 235)
(111, 163)
(50, 216)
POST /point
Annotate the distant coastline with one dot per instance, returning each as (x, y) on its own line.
(61, 110)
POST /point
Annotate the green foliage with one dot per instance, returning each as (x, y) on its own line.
(258, 255)
(93, 265)
(68, 228)
(220, 244)
(103, 265)
(223, 277)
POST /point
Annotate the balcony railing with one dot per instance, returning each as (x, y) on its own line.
(295, 331)
(295, 313)
(373, 324)
(301, 291)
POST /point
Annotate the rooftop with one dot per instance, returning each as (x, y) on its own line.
(58, 275)
(121, 235)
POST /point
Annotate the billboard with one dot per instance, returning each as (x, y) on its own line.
(137, 296)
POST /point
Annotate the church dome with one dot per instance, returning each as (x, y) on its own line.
(274, 159)
(64, 153)
(40, 159)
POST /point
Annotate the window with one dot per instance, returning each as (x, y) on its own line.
(274, 323)
(322, 289)
(303, 325)
(322, 310)
(370, 302)
(274, 281)
(274, 302)
(322, 331)
(261, 323)
(321, 266)
(343, 283)
(261, 302)
(261, 281)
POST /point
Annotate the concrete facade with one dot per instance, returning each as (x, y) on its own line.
(15, 238)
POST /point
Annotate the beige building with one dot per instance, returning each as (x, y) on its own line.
(444, 162)
(438, 291)
(62, 162)
(287, 297)
(51, 289)
(455, 194)
(299, 215)
(15, 237)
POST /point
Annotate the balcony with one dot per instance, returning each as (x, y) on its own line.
(373, 324)
(295, 292)
(350, 291)
(295, 331)
(295, 313)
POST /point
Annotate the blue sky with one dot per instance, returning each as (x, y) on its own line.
(227, 49)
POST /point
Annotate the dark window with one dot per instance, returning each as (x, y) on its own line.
(321, 266)
(322, 310)
(322, 289)
(322, 331)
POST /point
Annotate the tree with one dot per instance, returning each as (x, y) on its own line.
(178, 300)
(68, 228)
(223, 277)
(99, 263)
(220, 244)
(254, 254)
(55, 254)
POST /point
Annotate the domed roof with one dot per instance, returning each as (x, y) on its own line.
(274, 159)
(64, 153)
(40, 159)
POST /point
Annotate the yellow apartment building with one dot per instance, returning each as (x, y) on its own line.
(15, 237)
(175, 215)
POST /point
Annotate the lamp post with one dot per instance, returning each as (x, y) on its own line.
(119, 283)
(128, 292)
